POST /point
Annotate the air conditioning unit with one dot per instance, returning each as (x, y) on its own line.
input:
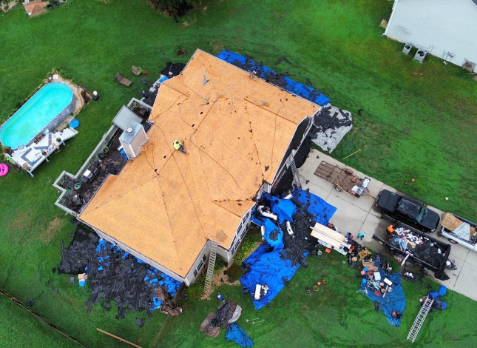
(407, 48)
(469, 66)
(420, 55)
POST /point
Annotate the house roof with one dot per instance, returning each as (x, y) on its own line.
(165, 204)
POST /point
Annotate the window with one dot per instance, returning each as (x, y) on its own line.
(204, 258)
(200, 265)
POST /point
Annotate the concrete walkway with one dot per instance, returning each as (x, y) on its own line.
(358, 215)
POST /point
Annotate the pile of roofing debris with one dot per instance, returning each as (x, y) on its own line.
(171, 70)
(115, 275)
(286, 226)
(225, 317)
(331, 123)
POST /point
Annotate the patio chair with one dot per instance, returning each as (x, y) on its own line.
(122, 80)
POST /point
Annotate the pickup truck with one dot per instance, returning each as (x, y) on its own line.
(410, 211)
(459, 231)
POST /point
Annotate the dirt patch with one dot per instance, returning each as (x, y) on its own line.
(51, 230)
(217, 47)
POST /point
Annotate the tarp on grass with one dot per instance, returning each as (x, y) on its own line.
(265, 266)
(236, 334)
(275, 267)
(271, 76)
(393, 301)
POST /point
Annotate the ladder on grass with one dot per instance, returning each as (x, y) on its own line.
(421, 316)
(211, 266)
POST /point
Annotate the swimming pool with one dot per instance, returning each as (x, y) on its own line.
(45, 110)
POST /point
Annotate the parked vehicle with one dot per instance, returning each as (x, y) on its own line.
(395, 207)
(459, 231)
(408, 244)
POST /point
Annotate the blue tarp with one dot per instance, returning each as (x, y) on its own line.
(273, 234)
(236, 334)
(321, 211)
(393, 301)
(284, 209)
(290, 85)
(267, 265)
(266, 268)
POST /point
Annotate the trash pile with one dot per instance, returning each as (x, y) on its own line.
(280, 80)
(383, 288)
(331, 124)
(115, 275)
(286, 226)
(225, 317)
(437, 304)
(419, 246)
(150, 93)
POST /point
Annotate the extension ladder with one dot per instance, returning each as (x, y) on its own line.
(211, 266)
(421, 316)
(295, 175)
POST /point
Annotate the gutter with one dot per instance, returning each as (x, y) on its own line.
(391, 18)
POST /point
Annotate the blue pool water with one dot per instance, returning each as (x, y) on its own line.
(35, 114)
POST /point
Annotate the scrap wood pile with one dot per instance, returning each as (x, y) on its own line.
(286, 226)
(115, 275)
(225, 317)
(419, 246)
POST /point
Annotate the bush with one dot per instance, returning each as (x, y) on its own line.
(252, 238)
(196, 290)
(234, 272)
(219, 264)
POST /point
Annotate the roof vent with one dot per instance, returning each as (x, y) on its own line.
(129, 130)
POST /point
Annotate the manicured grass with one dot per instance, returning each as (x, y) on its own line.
(417, 122)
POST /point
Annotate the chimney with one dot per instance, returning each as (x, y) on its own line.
(133, 138)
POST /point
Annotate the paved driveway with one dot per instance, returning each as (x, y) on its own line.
(357, 215)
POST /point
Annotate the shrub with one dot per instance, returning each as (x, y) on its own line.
(252, 238)
(219, 264)
(196, 290)
(234, 272)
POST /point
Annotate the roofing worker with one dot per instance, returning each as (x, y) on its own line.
(179, 146)
(391, 228)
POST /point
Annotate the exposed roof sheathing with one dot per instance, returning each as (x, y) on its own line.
(236, 130)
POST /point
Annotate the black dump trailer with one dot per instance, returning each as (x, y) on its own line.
(418, 247)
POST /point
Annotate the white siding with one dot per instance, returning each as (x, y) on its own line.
(437, 26)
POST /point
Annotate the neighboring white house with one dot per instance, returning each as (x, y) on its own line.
(444, 28)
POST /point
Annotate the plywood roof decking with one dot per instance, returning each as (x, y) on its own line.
(165, 204)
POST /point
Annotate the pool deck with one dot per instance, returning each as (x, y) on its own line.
(30, 157)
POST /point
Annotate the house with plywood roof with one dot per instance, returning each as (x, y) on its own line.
(241, 134)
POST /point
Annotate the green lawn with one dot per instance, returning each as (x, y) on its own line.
(417, 122)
